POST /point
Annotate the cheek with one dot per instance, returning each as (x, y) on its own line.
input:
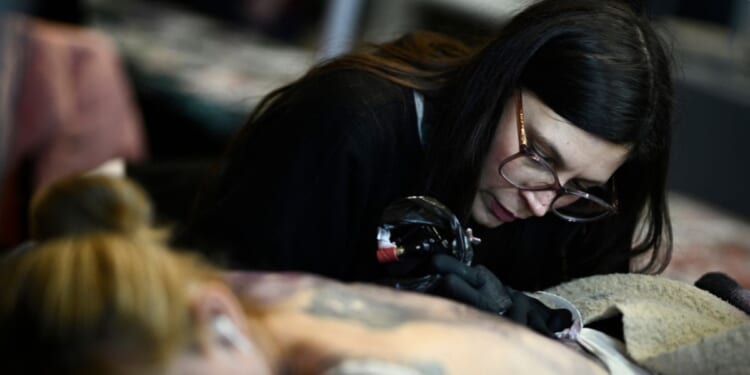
(499, 151)
(489, 176)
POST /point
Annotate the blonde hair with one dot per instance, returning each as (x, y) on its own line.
(93, 303)
(100, 292)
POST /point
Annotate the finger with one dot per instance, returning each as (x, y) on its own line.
(537, 316)
(446, 264)
(479, 275)
(555, 320)
(526, 313)
(537, 322)
(519, 310)
(559, 319)
(490, 301)
(456, 288)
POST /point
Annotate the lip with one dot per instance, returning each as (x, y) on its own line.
(500, 212)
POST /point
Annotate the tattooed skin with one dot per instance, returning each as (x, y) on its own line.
(266, 288)
(371, 366)
(345, 304)
(320, 326)
(311, 361)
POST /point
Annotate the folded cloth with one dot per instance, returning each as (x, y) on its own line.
(74, 107)
(669, 327)
(724, 287)
(68, 109)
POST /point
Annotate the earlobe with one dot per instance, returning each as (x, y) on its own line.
(228, 334)
(224, 337)
(216, 309)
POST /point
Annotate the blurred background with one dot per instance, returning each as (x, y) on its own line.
(162, 86)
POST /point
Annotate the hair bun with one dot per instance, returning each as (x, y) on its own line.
(88, 204)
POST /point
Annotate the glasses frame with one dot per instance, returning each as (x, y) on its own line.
(526, 151)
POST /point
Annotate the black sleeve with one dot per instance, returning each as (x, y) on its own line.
(305, 190)
(538, 253)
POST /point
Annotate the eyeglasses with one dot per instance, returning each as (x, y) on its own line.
(527, 170)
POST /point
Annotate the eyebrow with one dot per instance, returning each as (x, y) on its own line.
(555, 153)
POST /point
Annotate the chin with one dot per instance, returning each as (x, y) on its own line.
(494, 223)
(483, 217)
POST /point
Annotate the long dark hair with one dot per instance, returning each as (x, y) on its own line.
(603, 68)
(598, 64)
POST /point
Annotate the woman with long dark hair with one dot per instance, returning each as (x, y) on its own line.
(551, 141)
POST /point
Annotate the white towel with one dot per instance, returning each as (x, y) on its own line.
(670, 327)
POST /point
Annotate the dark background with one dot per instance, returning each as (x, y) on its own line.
(709, 159)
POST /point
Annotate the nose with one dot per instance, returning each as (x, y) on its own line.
(538, 201)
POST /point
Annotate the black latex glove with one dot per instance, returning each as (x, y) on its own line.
(479, 287)
(726, 288)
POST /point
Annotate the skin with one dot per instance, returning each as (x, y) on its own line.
(232, 349)
(217, 359)
(311, 325)
(584, 158)
(377, 328)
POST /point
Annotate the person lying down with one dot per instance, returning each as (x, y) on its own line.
(100, 292)
(107, 303)
(102, 297)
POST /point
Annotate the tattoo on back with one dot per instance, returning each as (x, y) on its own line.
(370, 366)
(344, 304)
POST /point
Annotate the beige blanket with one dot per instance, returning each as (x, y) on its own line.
(670, 327)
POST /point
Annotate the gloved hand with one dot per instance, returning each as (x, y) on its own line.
(726, 288)
(479, 287)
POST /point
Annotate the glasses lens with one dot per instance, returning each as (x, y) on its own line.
(527, 173)
(583, 206)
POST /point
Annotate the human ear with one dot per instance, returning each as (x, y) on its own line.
(221, 318)
(224, 342)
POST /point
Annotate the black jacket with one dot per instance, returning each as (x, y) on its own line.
(305, 191)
